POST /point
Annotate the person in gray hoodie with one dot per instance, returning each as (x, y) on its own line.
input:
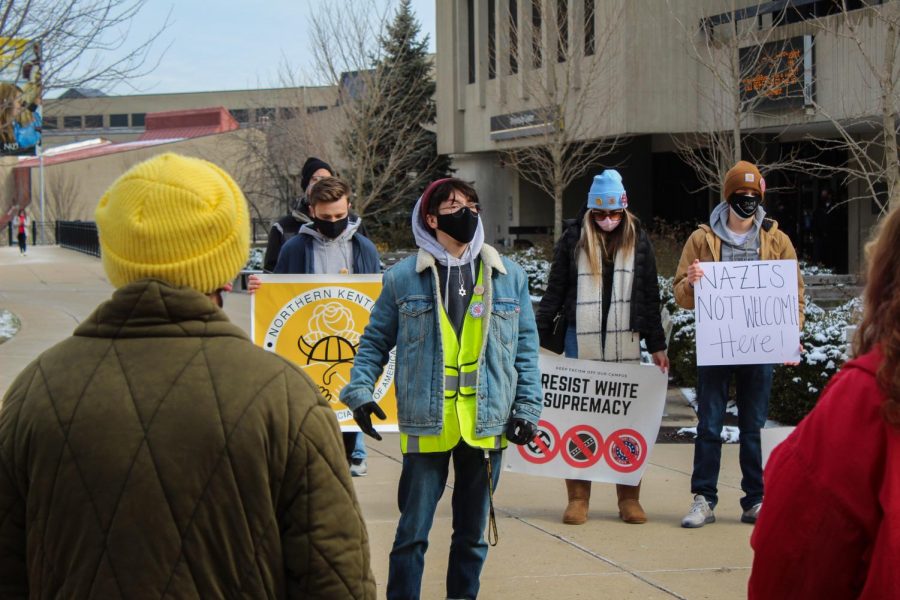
(331, 244)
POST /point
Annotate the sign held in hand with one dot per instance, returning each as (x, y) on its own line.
(747, 313)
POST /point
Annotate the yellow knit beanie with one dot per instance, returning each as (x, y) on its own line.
(180, 219)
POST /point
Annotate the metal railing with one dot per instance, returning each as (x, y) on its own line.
(78, 235)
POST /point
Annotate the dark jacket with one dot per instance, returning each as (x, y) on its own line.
(158, 453)
(297, 256)
(281, 233)
(563, 284)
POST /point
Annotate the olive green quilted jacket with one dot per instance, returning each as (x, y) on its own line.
(158, 454)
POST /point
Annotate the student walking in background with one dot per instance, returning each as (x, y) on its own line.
(20, 224)
(831, 526)
(603, 286)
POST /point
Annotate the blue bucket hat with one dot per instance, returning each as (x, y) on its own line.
(607, 192)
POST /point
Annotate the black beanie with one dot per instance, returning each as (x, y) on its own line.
(312, 165)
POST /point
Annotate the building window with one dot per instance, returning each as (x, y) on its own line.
(314, 109)
(72, 122)
(513, 36)
(93, 122)
(470, 34)
(50, 123)
(118, 120)
(492, 39)
(137, 119)
(536, 35)
(590, 28)
(241, 115)
(562, 27)
(265, 114)
(287, 112)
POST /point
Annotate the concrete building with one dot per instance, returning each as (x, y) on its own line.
(513, 73)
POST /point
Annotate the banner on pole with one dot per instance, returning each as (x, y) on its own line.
(316, 321)
(747, 313)
(599, 422)
(21, 93)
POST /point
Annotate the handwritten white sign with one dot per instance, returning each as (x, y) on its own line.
(747, 313)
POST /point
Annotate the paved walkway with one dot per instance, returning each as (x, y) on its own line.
(538, 557)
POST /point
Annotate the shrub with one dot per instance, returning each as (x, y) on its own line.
(536, 263)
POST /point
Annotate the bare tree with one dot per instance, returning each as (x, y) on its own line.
(866, 119)
(741, 71)
(385, 126)
(81, 41)
(561, 67)
(61, 198)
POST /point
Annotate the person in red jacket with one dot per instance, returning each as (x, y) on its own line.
(831, 523)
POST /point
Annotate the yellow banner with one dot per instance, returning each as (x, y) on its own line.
(316, 321)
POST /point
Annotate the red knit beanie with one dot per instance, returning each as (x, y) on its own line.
(426, 198)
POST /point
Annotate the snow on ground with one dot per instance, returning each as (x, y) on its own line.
(9, 325)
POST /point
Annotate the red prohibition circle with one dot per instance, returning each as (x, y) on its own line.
(573, 444)
(545, 445)
(626, 450)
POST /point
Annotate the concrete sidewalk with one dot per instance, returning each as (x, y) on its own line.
(52, 290)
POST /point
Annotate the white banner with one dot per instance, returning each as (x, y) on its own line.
(747, 313)
(599, 422)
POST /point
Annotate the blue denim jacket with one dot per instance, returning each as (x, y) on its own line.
(407, 315)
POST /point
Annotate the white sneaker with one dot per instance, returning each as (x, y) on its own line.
(751, 514)
(700, 514)
(358, 467)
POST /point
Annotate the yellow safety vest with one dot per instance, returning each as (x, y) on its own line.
(460, 381)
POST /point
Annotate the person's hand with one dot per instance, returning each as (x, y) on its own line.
(520, 432)
(694, 272)
(253, 283)
(661, 360)
(363, 418)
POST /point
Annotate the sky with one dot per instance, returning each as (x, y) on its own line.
(233, 44)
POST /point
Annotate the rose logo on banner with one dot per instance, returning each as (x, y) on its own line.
(583, 446)
(626, 450)
(545, 445)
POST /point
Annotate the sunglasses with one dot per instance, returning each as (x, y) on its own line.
(612, 215)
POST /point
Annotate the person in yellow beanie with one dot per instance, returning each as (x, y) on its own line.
(738, 230)
(157, 451)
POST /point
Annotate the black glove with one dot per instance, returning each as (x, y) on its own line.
(362, 416)
(520, 431)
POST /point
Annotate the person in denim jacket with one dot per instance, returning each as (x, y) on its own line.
(467, 380)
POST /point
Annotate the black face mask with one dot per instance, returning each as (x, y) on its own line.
(744, 206)
(460, 225)
(331, 229)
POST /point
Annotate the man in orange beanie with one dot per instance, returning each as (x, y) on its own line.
(158, 452)
(738, 230)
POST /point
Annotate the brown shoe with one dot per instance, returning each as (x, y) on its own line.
(579, 499)
(630, 509)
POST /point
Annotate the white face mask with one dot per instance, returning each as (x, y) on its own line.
(607, 224)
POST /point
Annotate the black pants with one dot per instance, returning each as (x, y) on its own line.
(22, 238)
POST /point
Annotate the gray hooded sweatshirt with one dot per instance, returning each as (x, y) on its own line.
(330, 256)
(732, 247)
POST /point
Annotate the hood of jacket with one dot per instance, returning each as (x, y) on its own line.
(429, 243)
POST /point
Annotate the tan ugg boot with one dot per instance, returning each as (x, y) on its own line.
(579, 498)
(630, 509)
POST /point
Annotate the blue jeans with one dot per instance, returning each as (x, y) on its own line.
(355, 445)
(422, 483)
(753, 384)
